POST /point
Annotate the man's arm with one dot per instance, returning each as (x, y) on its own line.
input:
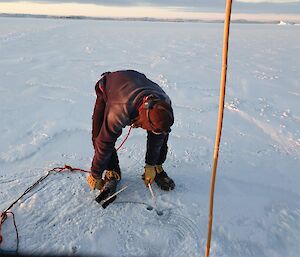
(115, 119)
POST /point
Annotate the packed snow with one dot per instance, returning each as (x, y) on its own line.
(48, 69)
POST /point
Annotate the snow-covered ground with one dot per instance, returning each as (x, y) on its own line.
(48, 69)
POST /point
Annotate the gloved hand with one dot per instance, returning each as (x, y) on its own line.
(108, 185)
(94, 182)
(107, 191)
(149, 174)
(159, 168)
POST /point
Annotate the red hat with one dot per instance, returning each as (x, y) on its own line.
(161, 116)
(156, 115)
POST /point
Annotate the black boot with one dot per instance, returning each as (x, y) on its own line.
(109, 188)
(163, 180)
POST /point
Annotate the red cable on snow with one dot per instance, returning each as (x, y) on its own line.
(3, 216)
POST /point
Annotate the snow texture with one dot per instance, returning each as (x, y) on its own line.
(48, 69)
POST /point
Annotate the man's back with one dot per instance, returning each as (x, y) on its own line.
(129, 87)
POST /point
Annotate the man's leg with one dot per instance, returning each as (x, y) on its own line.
(163, 151)
(156, 155)
(156, 148)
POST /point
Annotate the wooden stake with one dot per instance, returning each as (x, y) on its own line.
(220, 122)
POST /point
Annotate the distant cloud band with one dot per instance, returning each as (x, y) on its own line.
(269, 1)
(239, 6)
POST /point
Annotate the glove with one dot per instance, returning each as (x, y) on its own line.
(159, 168)
(109, 182)
(94, 182)
(108, 190)
(149, 174)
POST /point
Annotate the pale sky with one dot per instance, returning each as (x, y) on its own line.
(192, 9)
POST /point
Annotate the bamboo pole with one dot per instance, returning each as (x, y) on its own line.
(219, 123)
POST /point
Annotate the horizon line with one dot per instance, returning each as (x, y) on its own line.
(146, 18)
(93, 10)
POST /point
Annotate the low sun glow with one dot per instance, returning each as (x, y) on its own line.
(93, 10)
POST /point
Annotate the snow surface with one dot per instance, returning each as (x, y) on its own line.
(48, 69)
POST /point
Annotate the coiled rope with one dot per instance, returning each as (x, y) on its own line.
(6, 212)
